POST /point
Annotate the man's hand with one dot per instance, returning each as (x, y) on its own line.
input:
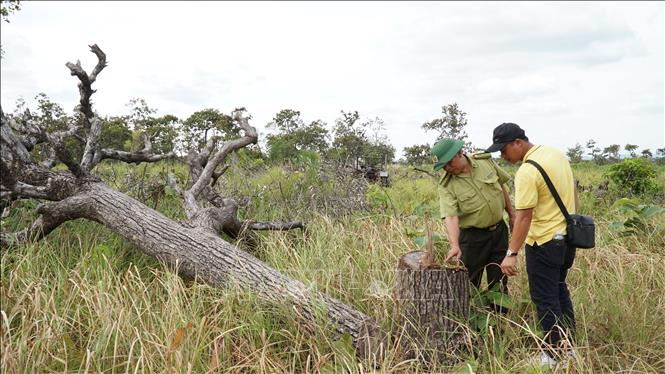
(508, 266)
(454, 252)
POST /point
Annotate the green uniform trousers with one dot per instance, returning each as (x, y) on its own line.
(484, 249)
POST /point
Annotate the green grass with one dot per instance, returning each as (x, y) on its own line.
(85, 301)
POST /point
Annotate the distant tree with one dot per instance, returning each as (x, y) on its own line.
(204, 124)
(631, 149)
(660, 152)
(611, 152)
(575, 153)
(418, 154)
(646, 153)
(378, 149)
(451, 124)
(52, 118)
(376, 154)
(158, 134)
(594, 151)
(313, 137)
(350, 138)
(115, 134)
(294, 136)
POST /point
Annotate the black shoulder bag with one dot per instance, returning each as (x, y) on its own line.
(581, 230)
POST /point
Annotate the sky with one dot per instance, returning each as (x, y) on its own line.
(566, 72)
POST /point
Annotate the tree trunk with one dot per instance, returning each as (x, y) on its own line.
(434, 307)
(198, 252)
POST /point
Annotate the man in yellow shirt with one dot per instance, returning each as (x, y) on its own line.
(472, 200)
(540, 224)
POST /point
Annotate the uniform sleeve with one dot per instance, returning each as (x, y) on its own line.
(503, 175)
(526, 190)
(447, 203)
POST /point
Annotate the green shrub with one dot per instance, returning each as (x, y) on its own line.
(633, 175)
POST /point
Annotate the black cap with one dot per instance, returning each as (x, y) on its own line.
(504, 134)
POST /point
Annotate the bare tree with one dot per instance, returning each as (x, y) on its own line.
(193, 246)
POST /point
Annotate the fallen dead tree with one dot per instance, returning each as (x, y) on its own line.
(193, 246)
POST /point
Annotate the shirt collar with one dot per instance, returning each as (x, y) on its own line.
(445, 177)
(529, 152)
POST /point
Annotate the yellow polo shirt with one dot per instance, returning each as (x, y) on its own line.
(531, 192)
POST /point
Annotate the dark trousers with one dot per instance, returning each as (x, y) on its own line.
(547, 267)
(484, 250)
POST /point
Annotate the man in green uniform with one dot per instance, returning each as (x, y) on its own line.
(472, 199)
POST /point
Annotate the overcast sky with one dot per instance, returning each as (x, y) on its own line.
(565, 72)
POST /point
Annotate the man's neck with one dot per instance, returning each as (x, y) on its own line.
(526, 149)
(466, 170)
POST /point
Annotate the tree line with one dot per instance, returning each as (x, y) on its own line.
(611, 153)
(351, 140)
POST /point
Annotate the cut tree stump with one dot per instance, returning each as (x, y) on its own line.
(433, 307)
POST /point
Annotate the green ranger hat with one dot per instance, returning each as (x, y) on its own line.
(444, 151)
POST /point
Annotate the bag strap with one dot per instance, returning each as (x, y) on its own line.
(552, 189)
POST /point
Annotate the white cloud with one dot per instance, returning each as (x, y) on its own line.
(567, 71)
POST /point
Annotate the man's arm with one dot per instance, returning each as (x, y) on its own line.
(452, 230)
(520, 231)
(509, 207)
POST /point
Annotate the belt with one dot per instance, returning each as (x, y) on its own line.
(488, 228)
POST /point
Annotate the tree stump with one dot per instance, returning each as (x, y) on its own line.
(433, 307)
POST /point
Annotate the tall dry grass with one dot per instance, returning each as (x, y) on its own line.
(84, 301)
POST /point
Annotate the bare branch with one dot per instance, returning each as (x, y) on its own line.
(101, 64)
(426, 172)
(147, 144)
(63, 155)
(250, 137)
(274, 226)
(217, 174)
(136, 157)
(91, 122)
(51, 216)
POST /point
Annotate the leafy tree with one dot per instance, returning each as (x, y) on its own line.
(594, 151)
(611, 152)
(204, 124)
(287, 121)
(115, 134)
(52, 118)
(646, 153)
(418, 154)
(313, 137)
(631, 149)
(451, 124)
(575, 153)
(660, 152)
(350, 138)
(294, 136)
(378, 154)
(162, 132)
(378, 150)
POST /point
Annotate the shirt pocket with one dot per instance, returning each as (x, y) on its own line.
(493, 186)
(469, 201)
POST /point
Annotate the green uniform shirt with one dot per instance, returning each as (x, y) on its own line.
(477, 199)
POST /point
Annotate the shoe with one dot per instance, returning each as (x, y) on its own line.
(572, 354)
(547, 360)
